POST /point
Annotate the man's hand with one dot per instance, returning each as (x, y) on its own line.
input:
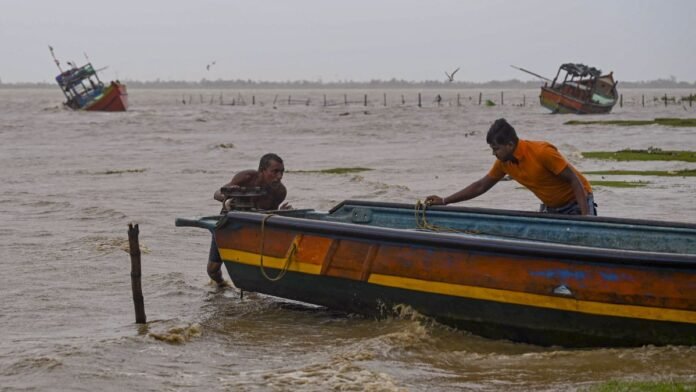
(434, 200)
(285, 206)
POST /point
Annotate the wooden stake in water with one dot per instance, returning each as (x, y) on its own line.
(138, 301)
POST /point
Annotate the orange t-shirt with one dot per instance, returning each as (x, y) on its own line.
(538, 166)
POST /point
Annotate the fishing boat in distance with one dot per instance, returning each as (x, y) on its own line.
(528, 277)
(84, 90)
(579, 89)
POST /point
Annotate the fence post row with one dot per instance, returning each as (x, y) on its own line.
(438, 100)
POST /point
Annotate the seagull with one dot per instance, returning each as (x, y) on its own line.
(209, 65)
(450, 77)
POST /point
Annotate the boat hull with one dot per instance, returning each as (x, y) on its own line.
(562, 103)
(113, 99)
(486, 318)
(523, 289)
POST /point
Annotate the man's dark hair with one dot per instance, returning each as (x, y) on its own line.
(266, 160)
(501, 133)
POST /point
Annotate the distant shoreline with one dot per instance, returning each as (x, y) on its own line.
(374, 84)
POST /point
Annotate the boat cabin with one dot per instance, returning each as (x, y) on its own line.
(585, 83)
(80, 85)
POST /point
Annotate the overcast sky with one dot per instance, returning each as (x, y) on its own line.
(358, 40)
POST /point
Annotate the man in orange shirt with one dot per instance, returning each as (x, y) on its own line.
(535, 164)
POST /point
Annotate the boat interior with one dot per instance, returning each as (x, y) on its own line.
(648, 236)
(596, 232)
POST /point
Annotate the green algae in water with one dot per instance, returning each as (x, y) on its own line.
(107, 172)
(677, 122)
(658, 173)
(620, 184)
(667, 121)
(642, 386)
(651, 154)
(335, 170)
(625, 123)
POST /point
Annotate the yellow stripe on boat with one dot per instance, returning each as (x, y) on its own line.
(480, 293)
(250, 258)
(537, 300)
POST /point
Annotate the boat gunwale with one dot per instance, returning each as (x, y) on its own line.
(517, 213)
(517, 247)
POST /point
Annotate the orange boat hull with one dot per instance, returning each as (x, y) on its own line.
(114, 99)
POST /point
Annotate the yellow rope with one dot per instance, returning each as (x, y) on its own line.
(287, 260)
(422, 222)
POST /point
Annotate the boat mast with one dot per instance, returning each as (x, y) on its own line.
(532, 73)
(55, 59)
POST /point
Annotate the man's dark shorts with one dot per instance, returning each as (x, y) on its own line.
(572, 208)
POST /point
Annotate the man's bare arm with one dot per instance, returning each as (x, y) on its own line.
(239, 179)
(475, 189)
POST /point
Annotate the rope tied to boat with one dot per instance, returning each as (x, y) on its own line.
(288, 259)
(423, 224)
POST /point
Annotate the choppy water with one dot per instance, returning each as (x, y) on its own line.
(72, 181)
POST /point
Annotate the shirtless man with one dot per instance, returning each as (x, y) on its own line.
(267, 177)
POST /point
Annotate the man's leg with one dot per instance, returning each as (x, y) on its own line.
(215, 264)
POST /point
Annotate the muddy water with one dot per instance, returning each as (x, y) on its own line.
(71, 182)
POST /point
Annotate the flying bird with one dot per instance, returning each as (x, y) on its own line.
(207, 67)
(450, 77)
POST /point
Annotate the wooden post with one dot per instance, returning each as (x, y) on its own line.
(665, 99)
(419, 100)
(502, 100)
(365, 100)
(403, 100)
(385, 100)
(220, 98)
(480, 96)
(458, 102)
(642, 100)
(253, 99)
(524, 100)
(135, 274)
(324, 99)
(288, 99)
(621, 100)
(345, 99)
(691, 99)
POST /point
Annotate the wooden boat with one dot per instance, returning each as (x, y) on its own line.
(84, 90)
(528, 277)
(583, 90)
